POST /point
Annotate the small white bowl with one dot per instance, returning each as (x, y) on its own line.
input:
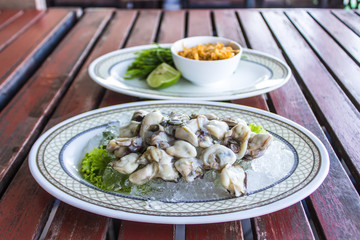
(205, 73)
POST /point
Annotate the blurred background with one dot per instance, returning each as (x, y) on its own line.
(184, 4)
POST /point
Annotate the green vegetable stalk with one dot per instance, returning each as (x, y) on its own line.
(147, 60)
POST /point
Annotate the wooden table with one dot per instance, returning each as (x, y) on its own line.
(44, 80)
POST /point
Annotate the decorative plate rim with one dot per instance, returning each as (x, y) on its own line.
(155, 216)
(158, 94)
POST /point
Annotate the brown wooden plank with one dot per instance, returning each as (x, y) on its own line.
(22, 217)
(349, 18)
(343, 35)
(139, 231)
(199, 23)
(7, 16)
(343, 121)
(216, 231)
(10, 56)
(40, 96)
(257, 102)
(22, 57)
(172, 26)
(227, 25)
(141, 34)
(14, 29)
(333, 56)
(72, 223)
(330, 203)
(281, 225)
(83, 95)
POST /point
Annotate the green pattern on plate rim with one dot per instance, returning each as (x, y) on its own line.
(47, 160)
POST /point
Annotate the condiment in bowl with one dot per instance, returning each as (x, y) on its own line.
(206, 60)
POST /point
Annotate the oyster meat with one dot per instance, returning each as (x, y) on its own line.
(233, 179)
(156, 145)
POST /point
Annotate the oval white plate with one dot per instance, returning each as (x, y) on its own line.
(50, 165)
(256, 74)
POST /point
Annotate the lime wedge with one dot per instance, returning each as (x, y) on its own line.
(163, 76)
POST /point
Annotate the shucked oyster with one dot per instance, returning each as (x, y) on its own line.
(189, 168)
(127, 164)
(161, 140)
(151, 119)
(233, 179)
(258, 143)
(186, 133)
(139, 115)
(182, 149)
(130, 130)
(217, 156)
(195, 132)
(162, 166)
(237, 139)
(144, 174)
(217, 129)
(122, 146)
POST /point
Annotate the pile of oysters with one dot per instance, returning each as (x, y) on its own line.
(177, 145)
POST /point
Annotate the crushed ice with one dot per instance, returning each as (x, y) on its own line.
(274, 165)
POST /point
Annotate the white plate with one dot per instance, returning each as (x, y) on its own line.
(257, 73)
(56, 156)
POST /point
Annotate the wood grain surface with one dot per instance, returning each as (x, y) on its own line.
(334, 58)
(324, 197)
(14, 29)
(350, 18)
(48, 85)
(343, 35)
(145, 28)
(172, 27)
(22, 57)
(6, 17)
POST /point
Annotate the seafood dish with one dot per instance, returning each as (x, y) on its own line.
(154, 145)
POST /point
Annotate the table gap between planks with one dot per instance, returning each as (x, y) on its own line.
(44, 81)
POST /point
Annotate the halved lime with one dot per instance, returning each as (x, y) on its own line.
(163, 76)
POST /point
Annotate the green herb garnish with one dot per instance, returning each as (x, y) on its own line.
(94, 164)
(106, 137)
(257, 128)
(147, 60)
(96, 168)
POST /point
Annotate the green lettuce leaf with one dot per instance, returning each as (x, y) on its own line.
(94, 164)
(115, 181)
